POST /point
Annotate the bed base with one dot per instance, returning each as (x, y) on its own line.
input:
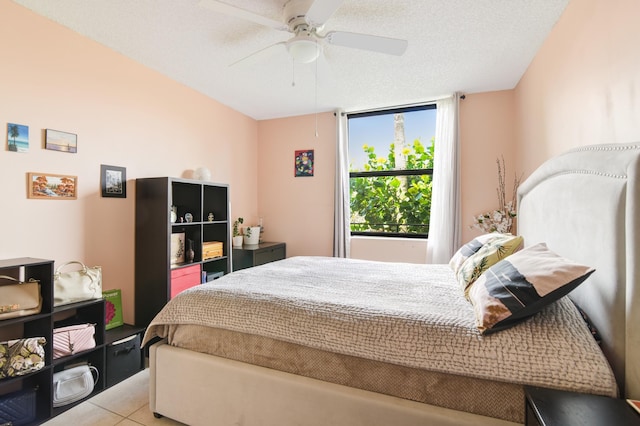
(200, 389)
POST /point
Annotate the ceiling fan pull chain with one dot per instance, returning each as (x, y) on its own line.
(315, 107)
(293, 73)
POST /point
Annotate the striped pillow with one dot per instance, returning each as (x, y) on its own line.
(521, 285)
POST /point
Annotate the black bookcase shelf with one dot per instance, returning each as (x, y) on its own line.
(42, 325)
(155, 275)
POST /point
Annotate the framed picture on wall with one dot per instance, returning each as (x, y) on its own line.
(113, 181)
(17, 137)
(304, 163)
(53, 187)
(60, 141)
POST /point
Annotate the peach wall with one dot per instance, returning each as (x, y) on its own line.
(487, 132)
(297, 210)
(288, 205)
(125, 115)
(583, 86)
(410, 250)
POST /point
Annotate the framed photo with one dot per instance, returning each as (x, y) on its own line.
(304, 163)
(113, 180)
(17, 137)
(52, 187)
(61, 141)
(177, 248)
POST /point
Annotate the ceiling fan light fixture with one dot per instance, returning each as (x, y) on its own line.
(303, 49)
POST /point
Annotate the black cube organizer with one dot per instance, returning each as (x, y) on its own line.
(123, 354)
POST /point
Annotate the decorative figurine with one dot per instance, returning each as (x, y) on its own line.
(210, 217)
(188, 217)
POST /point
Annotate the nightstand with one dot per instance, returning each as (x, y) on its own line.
(248, 256)
(550, 407)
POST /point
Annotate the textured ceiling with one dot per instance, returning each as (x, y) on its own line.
(454, 45)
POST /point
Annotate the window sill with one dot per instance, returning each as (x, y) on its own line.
(379, 238)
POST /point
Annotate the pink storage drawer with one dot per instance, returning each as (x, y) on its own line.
(184, 278)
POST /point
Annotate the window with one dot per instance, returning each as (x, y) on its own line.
(391, 165)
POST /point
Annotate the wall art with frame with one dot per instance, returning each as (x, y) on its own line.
(17, 137)
(60, 141)
(304, 163)
(113, 181)
(51, 186)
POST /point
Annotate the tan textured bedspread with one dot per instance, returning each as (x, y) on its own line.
(404, 314)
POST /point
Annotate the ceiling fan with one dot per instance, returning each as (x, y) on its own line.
(305, 19)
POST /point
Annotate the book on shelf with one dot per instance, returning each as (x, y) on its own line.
(113, 308)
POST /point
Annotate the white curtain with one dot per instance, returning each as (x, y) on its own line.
(444, 222)
(342, 213)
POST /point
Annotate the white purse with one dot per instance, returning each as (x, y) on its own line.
(78, 285)
(73, 384)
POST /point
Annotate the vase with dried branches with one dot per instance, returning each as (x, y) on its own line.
(502, 218)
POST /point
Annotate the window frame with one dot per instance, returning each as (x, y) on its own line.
(387, 173)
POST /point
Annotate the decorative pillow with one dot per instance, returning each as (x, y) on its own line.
(470, 249)
(520, 286)
(491, 252)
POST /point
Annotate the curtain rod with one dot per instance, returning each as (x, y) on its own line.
(394, 107)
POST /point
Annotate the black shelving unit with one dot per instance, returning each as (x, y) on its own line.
(38, 325)
(155, 275)
(42, 325)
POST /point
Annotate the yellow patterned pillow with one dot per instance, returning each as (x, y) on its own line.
(488, 255)
(469, 249)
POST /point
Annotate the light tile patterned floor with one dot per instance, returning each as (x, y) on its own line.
(125, 404)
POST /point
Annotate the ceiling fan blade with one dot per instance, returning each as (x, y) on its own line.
(321, 10)
(255, 56)
(390, 46)
(236, 12)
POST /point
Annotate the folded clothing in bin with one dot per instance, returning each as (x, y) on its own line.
(18, 408)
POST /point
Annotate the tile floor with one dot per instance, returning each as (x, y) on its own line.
(125, 404)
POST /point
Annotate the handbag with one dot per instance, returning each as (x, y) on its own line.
(21, 356)
(73, 339)
(78, 285)
(18, 408)
(73, 384)
(19, 298)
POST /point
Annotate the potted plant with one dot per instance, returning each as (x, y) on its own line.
(237, 238)
(251, 235)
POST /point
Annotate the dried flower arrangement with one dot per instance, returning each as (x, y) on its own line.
(501, 219)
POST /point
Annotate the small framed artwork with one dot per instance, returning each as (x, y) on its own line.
(113, 180)
(304, 163)
(177, 248)
(17, 137)
(52, 187)
(61, 141)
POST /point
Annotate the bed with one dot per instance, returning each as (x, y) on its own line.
(348, 342)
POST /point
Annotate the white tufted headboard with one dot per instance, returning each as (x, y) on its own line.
(585, 204)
